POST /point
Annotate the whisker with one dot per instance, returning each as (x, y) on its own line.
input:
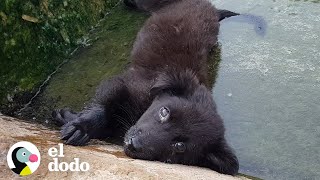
(129, 114)
(123, 121)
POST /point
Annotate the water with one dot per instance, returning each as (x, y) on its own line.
(267, 89)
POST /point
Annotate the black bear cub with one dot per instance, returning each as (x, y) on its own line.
(162, 104)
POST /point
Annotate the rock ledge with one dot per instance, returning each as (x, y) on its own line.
(106, 161)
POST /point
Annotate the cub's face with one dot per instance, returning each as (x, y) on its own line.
(182, 130)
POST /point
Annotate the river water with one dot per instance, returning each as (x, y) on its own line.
(267, 90)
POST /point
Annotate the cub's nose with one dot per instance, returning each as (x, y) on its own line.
(130, 145)
(133, 144)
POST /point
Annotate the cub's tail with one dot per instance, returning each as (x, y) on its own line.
(260, 25)
(225, 14)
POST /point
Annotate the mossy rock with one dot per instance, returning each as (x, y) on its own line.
(36, 36)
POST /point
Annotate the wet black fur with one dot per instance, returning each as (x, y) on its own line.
(168, 69)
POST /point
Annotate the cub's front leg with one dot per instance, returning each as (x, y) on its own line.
(92, 122)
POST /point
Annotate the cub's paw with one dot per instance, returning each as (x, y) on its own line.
(63, 116)
(74, 133)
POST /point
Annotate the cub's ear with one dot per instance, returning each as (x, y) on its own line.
(221, 158)
(173, 83)
(163, 85)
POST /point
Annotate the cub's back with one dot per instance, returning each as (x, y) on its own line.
(179, 36)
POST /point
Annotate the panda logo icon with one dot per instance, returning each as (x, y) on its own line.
(23, 158)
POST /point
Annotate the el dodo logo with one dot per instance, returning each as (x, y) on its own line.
(23, 158)
(57, 165)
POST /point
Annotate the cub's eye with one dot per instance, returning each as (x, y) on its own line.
(164, 114)
(23, 153)
(179, 147)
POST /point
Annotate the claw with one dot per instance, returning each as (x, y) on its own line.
(74, 138)
(84, 140)
(63, 116)
(67, 130)
(68, 114)
(56, 114)
(74, 130)
(78, 138)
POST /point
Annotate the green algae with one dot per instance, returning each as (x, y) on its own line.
(75, 83)
(36, 35)
(213, 64)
